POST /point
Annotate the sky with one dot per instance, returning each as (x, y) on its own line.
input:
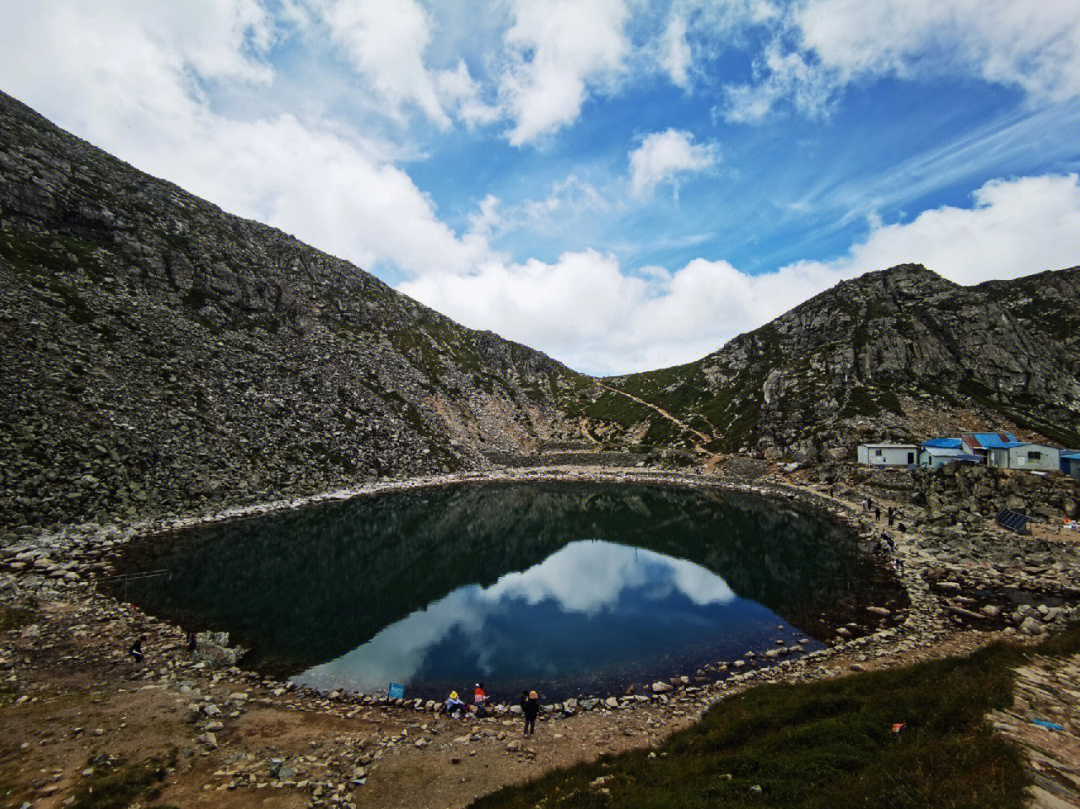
(622, 184)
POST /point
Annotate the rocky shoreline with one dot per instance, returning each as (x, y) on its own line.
(984, 579)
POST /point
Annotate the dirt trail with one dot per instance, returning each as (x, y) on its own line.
(705, 439)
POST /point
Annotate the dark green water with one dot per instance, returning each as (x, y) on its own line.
(572, 587)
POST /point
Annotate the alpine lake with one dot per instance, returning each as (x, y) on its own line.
(572, 589)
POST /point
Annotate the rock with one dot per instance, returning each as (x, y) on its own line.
(514, 746)
(1032, 627)
(661, 687)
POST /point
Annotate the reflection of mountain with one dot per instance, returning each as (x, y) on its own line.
(308, 586)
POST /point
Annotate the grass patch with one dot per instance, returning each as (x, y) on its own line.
(117, 787)
(826, 745)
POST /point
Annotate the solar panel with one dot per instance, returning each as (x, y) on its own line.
(1007, 518)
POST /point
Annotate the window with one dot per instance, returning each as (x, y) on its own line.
(877, 453)
(1034, 456)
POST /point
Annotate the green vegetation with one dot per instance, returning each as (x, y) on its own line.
(826, 744)
(49, 255)
(116, 787)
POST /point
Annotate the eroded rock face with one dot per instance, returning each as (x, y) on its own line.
(161, 356)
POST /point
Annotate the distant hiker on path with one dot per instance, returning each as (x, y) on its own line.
(192, 642)
(530, 706)
(877, 515)
(136, 652)
(890, 516)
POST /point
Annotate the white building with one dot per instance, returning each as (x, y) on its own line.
(887, 454)
(937, 457)
(1032, 457)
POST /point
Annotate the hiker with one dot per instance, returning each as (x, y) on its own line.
(890, 516)
(877, 515)
(480, 699)
(454, 705)
(136, 652)
(192, 642)
(530, 706)
(869, 505)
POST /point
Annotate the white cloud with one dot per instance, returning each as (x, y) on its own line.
(1015, 227)
(675, 55)
(781, 76)
(385, 42)
(664, 156)
(1034, 45)
(829, 44)
(114, 78)
(586, 311)
(560, 48)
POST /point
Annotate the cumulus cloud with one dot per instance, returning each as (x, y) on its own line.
(118, 80)
(560, 48)
(664, 156)
(587, 311)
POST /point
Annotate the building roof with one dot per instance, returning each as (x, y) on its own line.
(991, 440)
(943, 443)
(1072, 455)
(941, 450)
(1014, 445)
(889, 446)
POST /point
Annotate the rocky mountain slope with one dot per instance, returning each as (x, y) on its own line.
(160, 355)
(897, 354)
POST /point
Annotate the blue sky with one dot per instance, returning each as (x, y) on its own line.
(622, 184)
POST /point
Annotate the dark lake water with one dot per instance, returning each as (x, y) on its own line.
(570, 588)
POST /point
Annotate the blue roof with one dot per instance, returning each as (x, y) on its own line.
(996, 440)
(944, 443)
(1072, 456)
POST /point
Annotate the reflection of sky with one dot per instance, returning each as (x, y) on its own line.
(589, 607)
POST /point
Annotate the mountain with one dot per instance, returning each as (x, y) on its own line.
(160, 355)
(897, 354)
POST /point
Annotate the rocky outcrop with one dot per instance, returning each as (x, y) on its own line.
(161, 356)
(890, 355)
(980, 490)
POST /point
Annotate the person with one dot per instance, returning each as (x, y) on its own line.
(136, 652)
(877, 514)
(890, 516)
(530, 707)
(192, 642)
(480, 699)
(869, 505)
(454, 705)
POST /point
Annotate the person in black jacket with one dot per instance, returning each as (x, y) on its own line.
(530, 706)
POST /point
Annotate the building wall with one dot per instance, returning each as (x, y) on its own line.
(890, 456)
(1019, 458)
(938, 459)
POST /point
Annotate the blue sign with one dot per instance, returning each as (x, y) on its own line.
(397, 691)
